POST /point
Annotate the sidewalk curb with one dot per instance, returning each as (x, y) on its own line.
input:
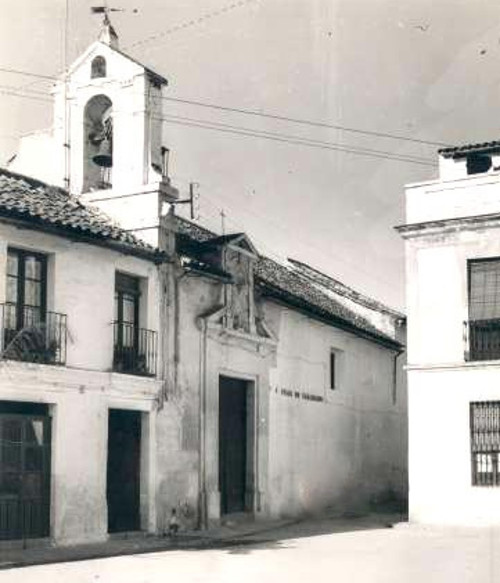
(189, 540)
(138, 546)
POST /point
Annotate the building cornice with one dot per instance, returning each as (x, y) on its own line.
(453, 366)
(439, 226)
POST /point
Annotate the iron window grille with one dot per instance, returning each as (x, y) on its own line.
(485, 443)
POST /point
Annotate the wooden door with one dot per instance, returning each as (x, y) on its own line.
(25, 444)
(123, 475)
(232, 444)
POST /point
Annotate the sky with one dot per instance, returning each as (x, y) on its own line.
(416, 69)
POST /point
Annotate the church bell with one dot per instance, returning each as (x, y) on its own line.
(104, 155)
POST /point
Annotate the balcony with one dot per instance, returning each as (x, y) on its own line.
(484, 340)
(135, 350)
(30, 334)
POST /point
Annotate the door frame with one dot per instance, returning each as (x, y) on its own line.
(138, 469)
(46, 501)
(148, 461)
(251, 472)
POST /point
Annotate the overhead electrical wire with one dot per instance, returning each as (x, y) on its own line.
(297, 140)
(27, 74)
(218, 203)
(268, 115)
(25, 96)
(250, 132)
(302, 121)
(24, 89)
(192, 22)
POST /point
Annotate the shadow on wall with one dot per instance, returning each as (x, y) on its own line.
(389, 501)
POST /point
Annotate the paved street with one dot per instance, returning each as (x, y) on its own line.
(301, 553)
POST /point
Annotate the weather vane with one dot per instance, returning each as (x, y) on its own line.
(105, 9)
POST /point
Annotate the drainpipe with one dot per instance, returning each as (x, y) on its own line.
(202, 514)
(176, 330)
(395, 375)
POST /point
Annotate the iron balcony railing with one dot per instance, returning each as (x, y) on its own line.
(482, 338)
(31, 334)
(135, 349)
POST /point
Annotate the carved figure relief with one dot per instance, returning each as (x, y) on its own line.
(239, 293)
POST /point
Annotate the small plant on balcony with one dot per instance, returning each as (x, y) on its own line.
(30, 344)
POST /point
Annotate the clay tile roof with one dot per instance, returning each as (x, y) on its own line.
(50, 207)
(482, 148)
(283, 283)
(276, 280)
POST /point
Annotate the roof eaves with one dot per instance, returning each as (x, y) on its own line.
(331, 284)
(324, 316)
(27, 221)
(466, 149)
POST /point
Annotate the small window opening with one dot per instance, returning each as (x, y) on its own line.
(98, 68)
(478, 163)
(333, 371)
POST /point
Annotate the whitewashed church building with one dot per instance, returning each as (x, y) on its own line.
(149, 364)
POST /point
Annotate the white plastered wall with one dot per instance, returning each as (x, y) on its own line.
(81, 285)
(347, 450)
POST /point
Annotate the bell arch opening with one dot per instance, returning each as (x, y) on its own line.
(98, 144)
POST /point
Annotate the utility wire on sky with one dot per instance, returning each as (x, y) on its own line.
(26, 96)
(302, 121)
(249, 132)
(192, 22)
(217, 203)
(274, 136)
(297, 140)
(277, 117)
(28, 74)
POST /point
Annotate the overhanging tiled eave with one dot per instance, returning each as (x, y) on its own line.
(468, 149)
(36, 224)
(288, 299)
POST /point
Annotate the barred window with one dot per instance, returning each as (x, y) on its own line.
(485, 443)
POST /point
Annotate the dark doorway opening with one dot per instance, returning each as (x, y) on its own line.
(25, 447)
(234, 451)
(123, 472)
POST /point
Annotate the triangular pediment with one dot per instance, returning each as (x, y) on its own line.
(128, 65)
(237, 241)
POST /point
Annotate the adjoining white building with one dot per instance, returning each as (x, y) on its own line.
(276, 390)
(452, 239)
(79, 315)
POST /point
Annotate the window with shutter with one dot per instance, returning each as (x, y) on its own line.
(484, 309)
